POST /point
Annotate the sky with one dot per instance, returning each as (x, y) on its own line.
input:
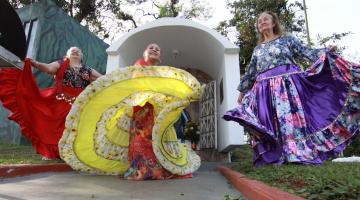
(328, 16)
(324, 17)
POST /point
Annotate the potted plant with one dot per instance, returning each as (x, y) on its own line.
(192, 133)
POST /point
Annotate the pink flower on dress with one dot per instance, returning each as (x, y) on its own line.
(329, 144)
(297, 100)
(85, 76)
(292, 146)
(340, 131)
(297, 120)
(322, 57)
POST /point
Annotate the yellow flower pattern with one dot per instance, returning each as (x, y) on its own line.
(96, 136)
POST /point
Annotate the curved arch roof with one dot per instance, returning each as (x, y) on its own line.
(184, 44)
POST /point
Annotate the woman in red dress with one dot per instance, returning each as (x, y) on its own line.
(143, 162)
(41, 113)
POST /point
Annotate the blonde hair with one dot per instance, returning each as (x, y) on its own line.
(278, 29)
(68, 52)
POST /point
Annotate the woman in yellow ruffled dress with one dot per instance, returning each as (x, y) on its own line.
(122, 124)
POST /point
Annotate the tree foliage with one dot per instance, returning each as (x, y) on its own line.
(108, 17)
(291, 15)
(333, 39)
(245, 13)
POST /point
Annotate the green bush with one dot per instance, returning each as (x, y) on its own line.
(192, 132)
(353, 149)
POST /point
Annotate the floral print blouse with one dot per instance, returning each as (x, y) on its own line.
(77, 77)
(281, 51)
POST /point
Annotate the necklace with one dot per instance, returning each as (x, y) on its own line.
(76, 69)
(75, 66)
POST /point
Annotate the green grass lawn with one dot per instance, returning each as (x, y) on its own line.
(327, 181)
(21, 154)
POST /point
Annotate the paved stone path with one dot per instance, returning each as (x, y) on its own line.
(207, 184)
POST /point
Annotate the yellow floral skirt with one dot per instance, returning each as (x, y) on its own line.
(97, 130)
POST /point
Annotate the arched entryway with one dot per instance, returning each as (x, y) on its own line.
(188, 45)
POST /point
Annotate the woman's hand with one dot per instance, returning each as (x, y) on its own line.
(94, 75)
(34, 63)
(50, 68)
(241, 96)
(332, 48)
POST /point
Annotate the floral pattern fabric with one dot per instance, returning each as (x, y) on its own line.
(302, 116)
(284, 50)
(77, 77)
(97, 134)
(144, 164)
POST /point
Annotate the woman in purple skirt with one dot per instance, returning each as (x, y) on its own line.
(293, 115)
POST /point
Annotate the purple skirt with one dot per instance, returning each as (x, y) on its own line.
(302, 117)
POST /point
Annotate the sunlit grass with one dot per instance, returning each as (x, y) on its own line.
(21, 154)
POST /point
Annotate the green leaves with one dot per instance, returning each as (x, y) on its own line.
(192, 132)
(353, 149)
(244, 20)
(334, 38)
(106, 18)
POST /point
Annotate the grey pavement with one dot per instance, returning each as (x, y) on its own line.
(207, 184)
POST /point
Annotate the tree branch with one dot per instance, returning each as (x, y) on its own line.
(155, 4)
(71, 6)
(173, 8)
(126, 17)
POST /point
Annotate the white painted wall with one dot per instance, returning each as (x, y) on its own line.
(230, 134)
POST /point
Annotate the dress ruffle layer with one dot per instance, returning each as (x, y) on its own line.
(302, 117)
(40, 115)
(96, 137)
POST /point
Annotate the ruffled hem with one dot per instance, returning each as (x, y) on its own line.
(263, 155)
(326, 143)
(100, 145)
(10, 93)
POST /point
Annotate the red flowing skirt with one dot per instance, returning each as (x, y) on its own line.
(39, 113)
